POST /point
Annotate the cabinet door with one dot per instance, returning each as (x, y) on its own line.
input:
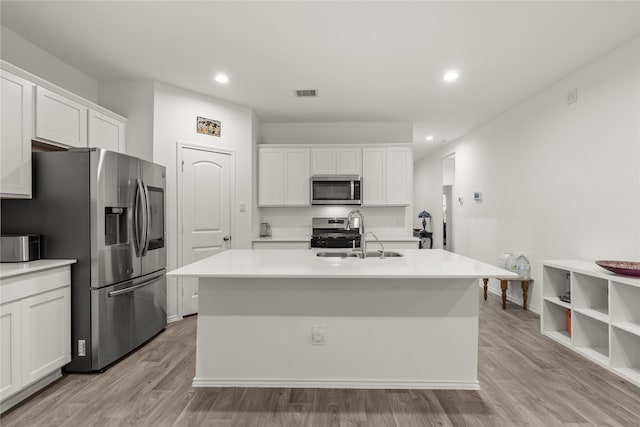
(297, 176)
(59, 119)
(10, 372)
(323, 161)
(374, 175)
(16, 127)
(105, 132)
(349, 161)
(398, 182)
(46, 331)
(271, 177)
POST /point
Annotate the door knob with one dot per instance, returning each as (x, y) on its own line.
(226, 238)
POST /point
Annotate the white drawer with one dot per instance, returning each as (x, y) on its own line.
(26, 285)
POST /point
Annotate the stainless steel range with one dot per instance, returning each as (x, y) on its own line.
(333, 233)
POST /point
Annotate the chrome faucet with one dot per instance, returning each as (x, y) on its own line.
(379, 242)
(363, 241)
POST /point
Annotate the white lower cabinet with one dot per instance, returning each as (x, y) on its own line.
(35, 331)
(602, 321)
(46, 328)
(10, 369)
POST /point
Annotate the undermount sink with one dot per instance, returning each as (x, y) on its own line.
(370, 254)
(338, 254)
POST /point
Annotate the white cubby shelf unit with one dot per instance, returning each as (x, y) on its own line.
(605, 314)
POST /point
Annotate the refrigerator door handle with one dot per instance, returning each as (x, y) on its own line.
(147, 215)
(139, 229)
(133, 288)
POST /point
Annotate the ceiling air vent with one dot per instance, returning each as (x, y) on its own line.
(306, 93)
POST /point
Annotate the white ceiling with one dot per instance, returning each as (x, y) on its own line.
(369, 61)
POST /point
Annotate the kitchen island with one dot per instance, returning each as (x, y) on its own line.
(289, 318)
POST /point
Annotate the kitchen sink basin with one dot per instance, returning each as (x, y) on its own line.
(338, 254)
(370, 254)
(387, 254)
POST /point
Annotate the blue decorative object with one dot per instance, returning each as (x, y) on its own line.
(424, 215)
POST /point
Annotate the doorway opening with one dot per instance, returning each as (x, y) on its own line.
(448, 181)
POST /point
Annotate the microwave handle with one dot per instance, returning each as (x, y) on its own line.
(353, 190)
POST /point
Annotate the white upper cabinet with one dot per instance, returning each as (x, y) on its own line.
(296, 177)
(374, 173)
(271, 177)
(284, 172)
(349, 161)
(106, 132)
(399, 176)
(283, 177)
(16, 127)
(336, 161)
(387, 174)
(323, 161)
(59, 119)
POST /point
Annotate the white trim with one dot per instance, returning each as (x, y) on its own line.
(530, 307)
(14, 399)
(180, 147)
(59, 90)
(172, 319)
(335, 383)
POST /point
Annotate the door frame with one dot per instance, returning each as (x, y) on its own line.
(180, 147)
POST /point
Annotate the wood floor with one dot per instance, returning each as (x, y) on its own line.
(526, 379)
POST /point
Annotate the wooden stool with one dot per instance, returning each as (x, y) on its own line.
(504, 283)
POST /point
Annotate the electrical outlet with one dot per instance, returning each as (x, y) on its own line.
(572, 96)
(82, 348)
(317, 335)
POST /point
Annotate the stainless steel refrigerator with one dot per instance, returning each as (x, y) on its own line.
(107, 210)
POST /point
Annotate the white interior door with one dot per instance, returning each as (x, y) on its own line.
(206, 212)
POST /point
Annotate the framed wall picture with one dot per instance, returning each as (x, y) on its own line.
(208, 126)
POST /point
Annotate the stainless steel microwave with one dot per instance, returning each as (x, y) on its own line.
(336, 190)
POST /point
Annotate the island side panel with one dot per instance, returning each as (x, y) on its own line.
(379, 333)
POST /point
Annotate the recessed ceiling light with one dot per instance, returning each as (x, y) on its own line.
(429, 138)
(222, 78)
(451, 76)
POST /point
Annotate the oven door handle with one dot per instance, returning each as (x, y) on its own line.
(133, 288)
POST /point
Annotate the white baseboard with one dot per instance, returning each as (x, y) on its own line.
(532, 308)
(335, 383)
(172, 319)
(13, 400)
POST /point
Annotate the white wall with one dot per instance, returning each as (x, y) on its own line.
(336, 133)
(383, 221)
(389, 221)
(559, 181)
(175, 112)
(26, 55)
(133, 100)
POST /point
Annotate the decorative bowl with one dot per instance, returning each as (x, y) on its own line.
(626, 268)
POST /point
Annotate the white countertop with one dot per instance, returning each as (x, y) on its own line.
(303, 263)
(283, 239)
(382, 237)
(10, 269)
